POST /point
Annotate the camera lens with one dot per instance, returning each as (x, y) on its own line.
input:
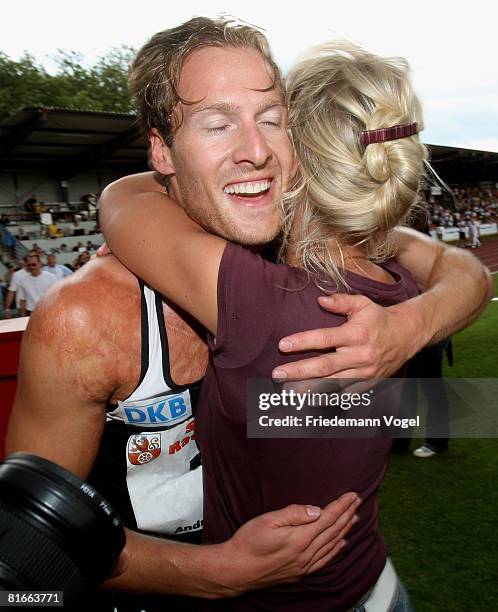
(57, 533)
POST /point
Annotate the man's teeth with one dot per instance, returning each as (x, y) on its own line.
(248, 188)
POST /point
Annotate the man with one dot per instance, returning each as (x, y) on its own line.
(90, 199)
(29, 204)
(58, 270)
(82, 259)
(12, 293)
(33, 286)
(474, 234)
(94, 320)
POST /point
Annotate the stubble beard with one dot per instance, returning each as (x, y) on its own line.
(196, 204)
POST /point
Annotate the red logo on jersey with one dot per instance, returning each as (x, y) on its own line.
(143, 448)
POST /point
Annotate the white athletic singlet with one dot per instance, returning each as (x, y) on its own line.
(149, 465)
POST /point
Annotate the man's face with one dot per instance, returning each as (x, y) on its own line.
(34, 266)
(51, 260)
(231, 155)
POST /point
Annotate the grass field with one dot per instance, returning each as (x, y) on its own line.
(440, 515)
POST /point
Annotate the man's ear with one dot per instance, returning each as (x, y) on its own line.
(160, 154)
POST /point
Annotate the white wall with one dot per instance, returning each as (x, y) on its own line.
(7, 192)
(41, 184)
(46, 188)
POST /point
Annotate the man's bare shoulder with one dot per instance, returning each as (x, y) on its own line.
(101, 291)
(91, 320)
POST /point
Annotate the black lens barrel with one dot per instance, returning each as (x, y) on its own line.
(56, 531)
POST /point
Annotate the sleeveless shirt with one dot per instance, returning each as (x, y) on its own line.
(149, 465)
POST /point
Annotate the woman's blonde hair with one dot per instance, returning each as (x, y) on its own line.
(346, 191)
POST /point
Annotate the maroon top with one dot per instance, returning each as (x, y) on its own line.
(247, 477)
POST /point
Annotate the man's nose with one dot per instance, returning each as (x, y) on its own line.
(252, 147)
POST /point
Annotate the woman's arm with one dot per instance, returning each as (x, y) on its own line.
(153, 237)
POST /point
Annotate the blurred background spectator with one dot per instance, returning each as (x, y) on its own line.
(34, 285)
(58, 270)
(19, 273)
(29, 204)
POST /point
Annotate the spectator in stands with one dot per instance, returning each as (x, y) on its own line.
(33, 285)
(70, 228)
(7, 241)
(54, 231)
(469, 200)
(4, 219)
(13, 292)
(81, 260)
(63, 248)
(38, 250)
(39, 208)
(29, 205)
(90, 199)
(474, 234)
(6, 281)
(74, 227)
(58, 270)
(461, 233)
(78, 247)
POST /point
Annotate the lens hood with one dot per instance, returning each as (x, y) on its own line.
(56, 531)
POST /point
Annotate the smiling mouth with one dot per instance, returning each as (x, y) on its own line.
(250, 189)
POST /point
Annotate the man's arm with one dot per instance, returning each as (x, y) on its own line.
(274, 548)
(376, 341)
(183, 268)
(456, 286)
(67, 373)
(9, 300)
(57, 412)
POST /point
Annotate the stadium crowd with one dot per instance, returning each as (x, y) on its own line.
(26, 281)
(28, 269)
(466, 206)
(469, 202)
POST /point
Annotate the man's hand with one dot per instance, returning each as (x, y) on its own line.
(273, 548)
(374, 343)
(284, 545)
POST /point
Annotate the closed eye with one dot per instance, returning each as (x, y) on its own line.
(218, 129)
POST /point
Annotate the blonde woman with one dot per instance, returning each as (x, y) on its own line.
(355, 121)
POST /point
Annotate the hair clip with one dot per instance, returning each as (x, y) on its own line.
(391, 133)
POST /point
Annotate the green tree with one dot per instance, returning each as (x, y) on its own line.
(22, 82)
(101, 87)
